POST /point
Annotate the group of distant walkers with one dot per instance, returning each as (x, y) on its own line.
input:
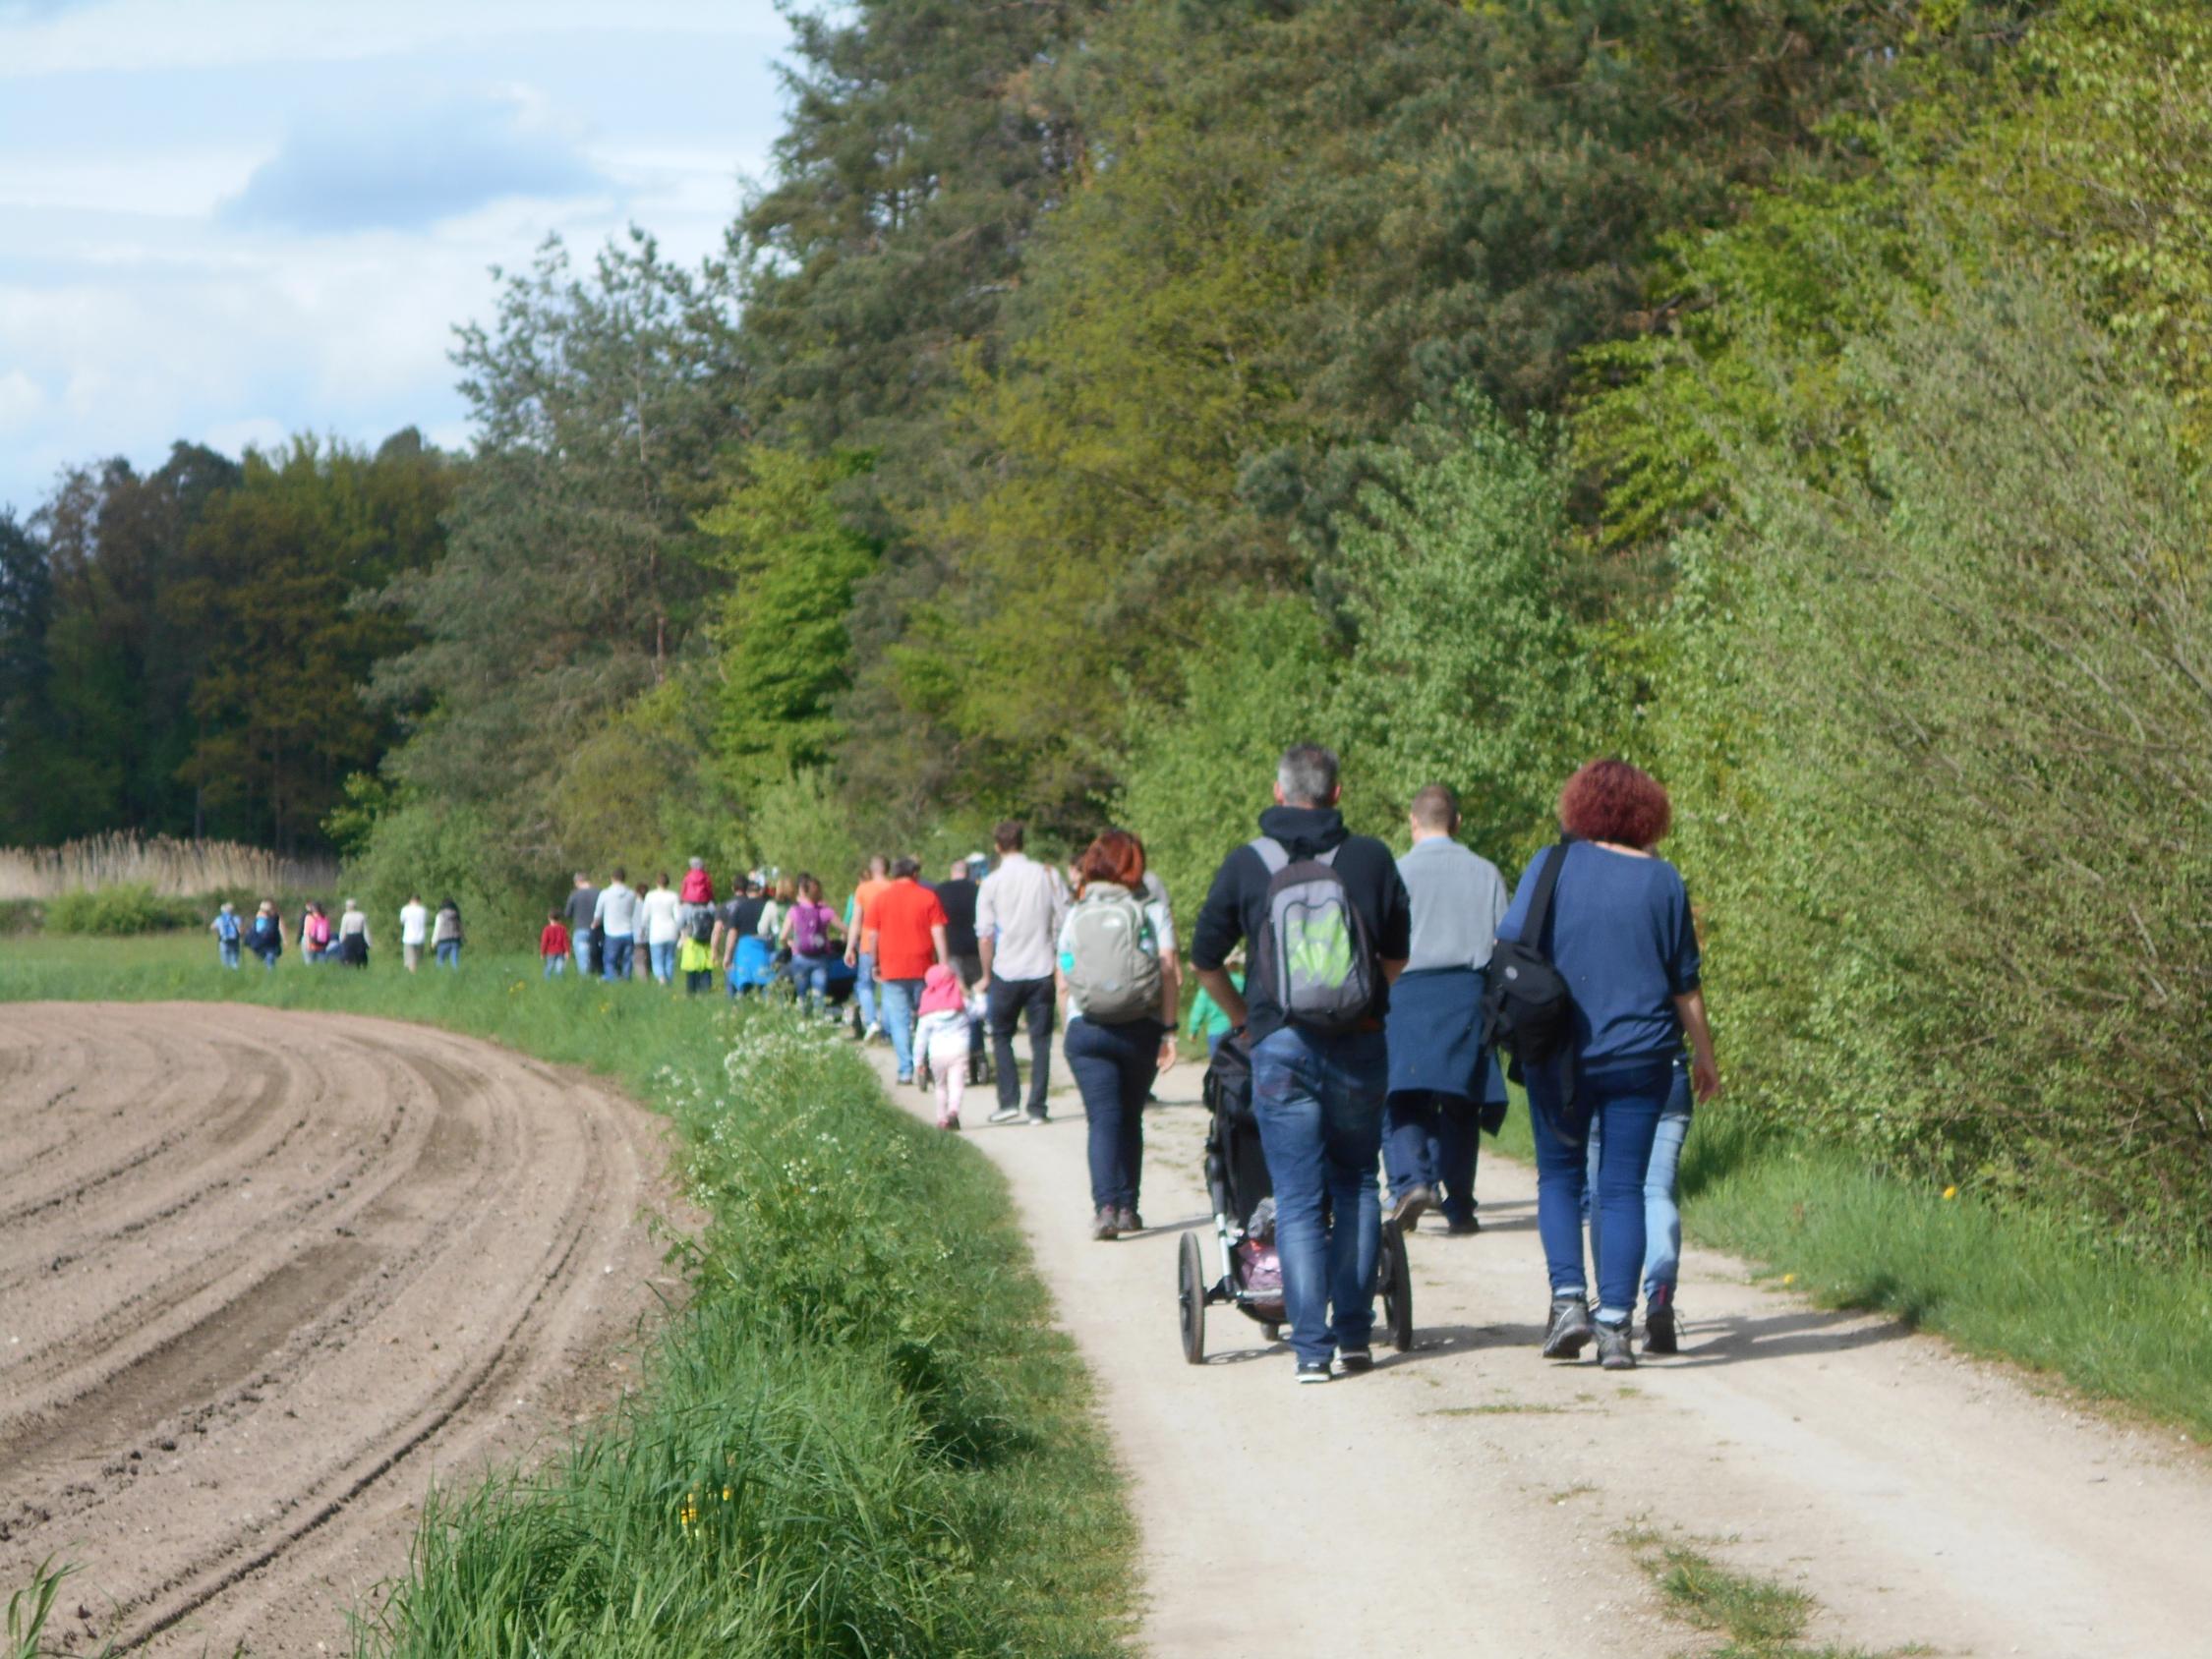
(1368, 997)
(342, 940)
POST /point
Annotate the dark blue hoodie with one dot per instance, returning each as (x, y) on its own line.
(1236, 906)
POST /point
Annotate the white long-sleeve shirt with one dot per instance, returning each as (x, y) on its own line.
(660, 917)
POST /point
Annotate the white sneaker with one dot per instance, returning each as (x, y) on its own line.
(872, 1033)
(1005, 1114)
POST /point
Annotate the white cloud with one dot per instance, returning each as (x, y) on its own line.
(59, 37)
(21, 399)
(139, 312)
(403, 163)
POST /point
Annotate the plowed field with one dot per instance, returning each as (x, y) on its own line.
(264, 1276)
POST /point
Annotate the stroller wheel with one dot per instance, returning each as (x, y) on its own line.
(1397, 1288)
(1190, 1298)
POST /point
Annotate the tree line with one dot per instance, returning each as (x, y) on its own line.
(1804, 399)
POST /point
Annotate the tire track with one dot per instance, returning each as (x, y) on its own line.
(317, 1259)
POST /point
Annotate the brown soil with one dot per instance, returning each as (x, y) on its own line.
(1468, 1497)
(264, 1277)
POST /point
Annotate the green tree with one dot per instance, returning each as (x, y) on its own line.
(782, 627)
(575, 574)
(277, 561)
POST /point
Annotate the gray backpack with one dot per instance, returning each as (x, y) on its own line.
(1112, 960)
(1316, 957)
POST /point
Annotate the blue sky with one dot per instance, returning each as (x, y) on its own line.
(230, 220)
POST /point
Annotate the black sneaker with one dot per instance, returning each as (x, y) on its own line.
(1106, 1224)
(1614, 1350)
(1411, 1203)
(1465, 1227)
(1658, 1323)
(1129, 1220)
(1569, 1329)
(1312, 1370)
(1356, 1360)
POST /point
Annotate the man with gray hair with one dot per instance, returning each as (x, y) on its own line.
(1311, 1013)
(1444, 1084)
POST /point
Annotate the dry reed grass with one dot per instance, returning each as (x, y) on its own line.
(172, 868)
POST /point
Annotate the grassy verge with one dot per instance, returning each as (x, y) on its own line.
(859, 1437)
(2004, 1283)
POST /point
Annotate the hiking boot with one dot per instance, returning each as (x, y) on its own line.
(1465, 1226)
(1356, 1360)
(1129, 1220)
(1658, 1322)
(1569, 1329)
(1615, 1351)
(1106, 1224)
(1005, 1114)
(1312, 1370)
(1407, 1212)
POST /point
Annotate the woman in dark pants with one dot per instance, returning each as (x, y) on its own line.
(1116, 1064)
(1620, 932)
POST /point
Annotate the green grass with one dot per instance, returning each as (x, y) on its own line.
(860, 1435)
(1754, 1618)
(1998, 1282)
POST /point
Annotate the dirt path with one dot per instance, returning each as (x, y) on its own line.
(1466, 1498)
(262, 1275)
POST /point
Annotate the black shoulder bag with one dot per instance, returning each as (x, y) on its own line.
(1526, 1009)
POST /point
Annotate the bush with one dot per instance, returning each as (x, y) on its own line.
(1949, 753)
(133, 908)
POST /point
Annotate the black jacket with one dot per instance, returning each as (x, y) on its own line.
(1236, 906)
(958, 899)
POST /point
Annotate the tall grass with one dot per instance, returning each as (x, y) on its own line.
(172, 868)
(861, 1436)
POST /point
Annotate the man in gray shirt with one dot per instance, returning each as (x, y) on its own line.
(1019, 910)
(1443, 1082)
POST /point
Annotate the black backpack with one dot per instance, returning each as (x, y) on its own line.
(1527, 1007)
(701, 926)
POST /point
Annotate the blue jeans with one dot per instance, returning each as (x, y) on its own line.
(864, 989)
(450, 954)
(664, 962)
(583, 949)
(1624, 1105)
(1433, 1140)
(1319, 1100)
(1663, 1218)
(811, 978)
(614, 952)
(227, 949)
(901, 998)
(556, 966)
(1114, 1068)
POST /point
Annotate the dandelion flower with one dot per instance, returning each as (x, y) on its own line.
(1951, 1192)
(1789, 1278)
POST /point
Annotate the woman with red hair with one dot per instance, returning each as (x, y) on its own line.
(1119, 979)
(1619, 932)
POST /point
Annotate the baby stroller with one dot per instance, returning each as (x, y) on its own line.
(1250, 1277)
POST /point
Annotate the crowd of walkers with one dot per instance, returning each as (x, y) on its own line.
(1368, 996)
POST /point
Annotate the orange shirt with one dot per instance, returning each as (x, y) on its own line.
(900, 917)
(864, 896)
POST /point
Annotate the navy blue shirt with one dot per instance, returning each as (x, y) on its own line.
(1621, 935)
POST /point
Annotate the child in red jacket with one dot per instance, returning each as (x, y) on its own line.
(552, 944)
(698, 885)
